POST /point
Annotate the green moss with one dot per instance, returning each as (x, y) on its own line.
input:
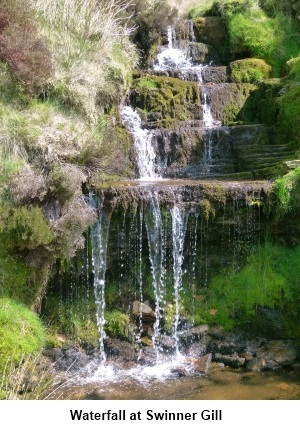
(231, 113)
(172, 99)
(21, 333)
(249, 70)
(269, 280)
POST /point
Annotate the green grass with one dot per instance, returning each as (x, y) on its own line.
(21, 332)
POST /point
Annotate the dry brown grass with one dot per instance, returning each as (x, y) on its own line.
(184, 5)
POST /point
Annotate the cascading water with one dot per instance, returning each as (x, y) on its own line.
(175, 58)
(142, 143)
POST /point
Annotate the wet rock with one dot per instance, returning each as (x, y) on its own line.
(98, 394)
(216, 75)
(217, 332)
(202, 364)
(274, 355)
(176, 100)
(54, 354)
(200, 53)
(224, 347)
(194, 334)
(234, 343)
(147, 357)
(67, 359)
(119, 348)
(167, 342)
(230, 360)
(228, 101)
(197, 349)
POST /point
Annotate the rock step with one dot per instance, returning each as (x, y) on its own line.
(262, 164)
(270, 148)
(267, 155)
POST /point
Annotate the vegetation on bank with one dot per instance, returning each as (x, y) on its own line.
(21, 333)
(258, 294)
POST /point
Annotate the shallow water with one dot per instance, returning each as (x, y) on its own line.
(221, 383)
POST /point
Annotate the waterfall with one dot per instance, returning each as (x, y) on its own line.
(179, 219)
(155, 233)
(100, 232)
(142, 142)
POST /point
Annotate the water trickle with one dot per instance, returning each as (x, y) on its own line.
(192, 35)
(100, 232)
(142, 143)
(179, 219)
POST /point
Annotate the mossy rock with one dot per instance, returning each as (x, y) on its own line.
(167, 99)
(232, 102)
(200, 52)
(249, 70)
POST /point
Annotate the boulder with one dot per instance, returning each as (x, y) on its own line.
(273, 355)
(143, 309)
(118, 348)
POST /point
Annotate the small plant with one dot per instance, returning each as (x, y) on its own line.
(287, 191)
(117, 324)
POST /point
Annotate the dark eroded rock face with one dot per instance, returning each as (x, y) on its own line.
(116, 348)
(191, 152)
(67, 359)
